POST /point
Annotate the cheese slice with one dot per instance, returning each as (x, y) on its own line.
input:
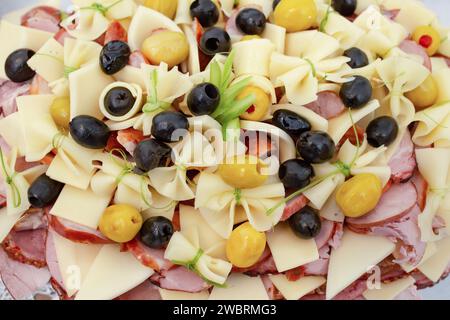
(131, 74)
(435, 266)
(288, 250)
(294, 290)
(7, 222)
(276, 34)
(430, 251)
(11, 131)
(240, 287)
(86, 85)
(388, 291)
(48, 62)
(189, 218)
(13, 37)
(356, 255)
(112, 274)
(74, 260)
(180, 295)
(81, 206)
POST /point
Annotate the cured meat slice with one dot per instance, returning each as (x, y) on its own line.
(137, 58)
(129, 139)
(21, 280)
(153, 258)
(328, 105)
(294, 206)
(421, 186)
(61, 36)
(403, 162)
(144, 291)
(27, 247)
(52, 262)
(179, 279)
(44, 18)
(393, 205)
(33, 219)
(76, 232)
(411, 47)
(9, 91)
(115, 32)
(272, 291)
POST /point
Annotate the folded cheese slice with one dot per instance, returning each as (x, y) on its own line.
(240, 287)
(181, 295)
(294, 290)
(389, 291)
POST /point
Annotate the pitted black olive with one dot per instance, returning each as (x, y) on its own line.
(89, 132)
(114, 56)
(44, 191)
(119, 101)
(170, 126)
(150, 154)
(16, 67)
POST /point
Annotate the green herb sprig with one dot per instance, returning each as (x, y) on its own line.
(9, 179)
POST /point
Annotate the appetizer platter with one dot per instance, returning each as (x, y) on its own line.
(224, 150)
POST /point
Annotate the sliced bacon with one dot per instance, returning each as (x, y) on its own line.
(393, 205)
(44, 18)
(179, 279)
(115, 32)
(294, 206)
(411, 47)
(144, 291)
(32, 219)
(129, 139)
(153, 258)
(421, 186)
(27, 247)
(328, 105)
(9, 91)
(21, 280)
(137, 58)
(272, 291)
(403, 162)
(76, 232)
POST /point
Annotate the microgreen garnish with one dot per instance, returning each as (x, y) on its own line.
(229, 108)
(101, 8)
(323, 23)
(153, 103)
(9, 179)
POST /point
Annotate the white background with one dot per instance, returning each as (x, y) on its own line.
(442, 7)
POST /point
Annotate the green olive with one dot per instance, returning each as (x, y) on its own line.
(245, 246)
(295, 15)
(166, 7)
(243, 172)
(425, 95)
(120, 223)
(166, 46)
(258, 110)
(60, 111)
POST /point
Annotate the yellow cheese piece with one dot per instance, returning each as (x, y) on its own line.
(80, 206)
(356, 255)
(435, 266)
(74, 260)
(113, 273)
(11, 131)
(192, 65)
(86, 85)
(388, 291)
(430, 251)
(288, 250)
(240, 287)
(294, 290)
(131, 74)
(276, 34)
(48, 62)
(180, 295)
(13, 37)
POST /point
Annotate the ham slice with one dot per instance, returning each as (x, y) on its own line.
(21, 280)
(272, 291)
(179, 279)
(403, 162)
(144, 291)
(44, 18)
(153, 258)
(76, 232)
(421, 186)
(318, 267)
(411, 47)
(137, 58)
(393, 205)
(27, 246)
(115, 32)
(9, 91)
(294, 206)
(129, 139)
(328, 105)
(53, 265)
(32, 219)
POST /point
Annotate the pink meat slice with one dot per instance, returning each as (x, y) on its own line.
(328, 105)
(403, 162)
(52, 260)
(271, 290)
(44, 18)
(294, 206)
(33, 219)
(421, 186)
(411, 47)
(9, 91)
(152, 258)
(144, 291)
(21, 280)
(137, 58)
(76, 232)
(179, 279)
(394, 204)
(27, 246)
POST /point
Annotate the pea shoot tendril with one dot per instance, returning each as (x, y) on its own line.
(9, 179)
(153, 103)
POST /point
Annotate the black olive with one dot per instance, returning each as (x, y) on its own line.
(382, 131)
(16, 67)
(44, 191)
(290, 122)
(275, 3)
(295, 174)
(345, 7)
(150, 154)
(215, 40)
(119, 101)
(306, 223)
(251, 21)
(205, 11)
(358, 58)
(89, 132)
(203, 99)
(170, 126)
(114, 56)
(316, 147)
(357, 93)
(156, 232)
